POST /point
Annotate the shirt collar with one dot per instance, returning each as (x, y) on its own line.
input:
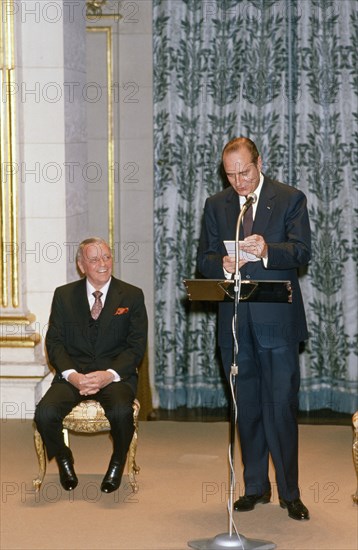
(90, 289)
(257, 193)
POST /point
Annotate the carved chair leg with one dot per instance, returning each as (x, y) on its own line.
(41, 456)
(133, 469)
(136, 468)
(355, 457)
(355, 453)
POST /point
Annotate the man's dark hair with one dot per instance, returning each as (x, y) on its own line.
(239, 142)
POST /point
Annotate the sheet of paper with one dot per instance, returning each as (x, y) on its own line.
(230, 247)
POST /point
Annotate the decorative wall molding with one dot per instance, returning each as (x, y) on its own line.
(94, 9)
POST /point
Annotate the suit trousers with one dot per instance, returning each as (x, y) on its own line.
(116, 400)
(267, 398)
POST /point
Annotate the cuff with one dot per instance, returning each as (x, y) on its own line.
(66, 373)
(116, 378)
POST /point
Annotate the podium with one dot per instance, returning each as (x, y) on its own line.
(217, 290)
(229, 290)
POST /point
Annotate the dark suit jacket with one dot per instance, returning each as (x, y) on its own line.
(117, 340)
(282, 219)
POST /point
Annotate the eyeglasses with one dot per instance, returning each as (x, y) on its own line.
(104, 258)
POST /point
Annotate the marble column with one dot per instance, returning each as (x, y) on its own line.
(44, 208)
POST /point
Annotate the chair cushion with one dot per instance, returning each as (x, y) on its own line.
(87, 416)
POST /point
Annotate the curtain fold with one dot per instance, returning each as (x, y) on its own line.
(282, 73)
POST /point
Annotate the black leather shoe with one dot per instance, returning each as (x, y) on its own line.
(296, 509)
(113, 477)
(248, 502)
(68, 476)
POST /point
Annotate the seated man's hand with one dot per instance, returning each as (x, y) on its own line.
(91, 383)
(77, 379)
(95, 381)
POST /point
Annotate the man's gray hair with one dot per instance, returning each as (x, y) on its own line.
(90, 240)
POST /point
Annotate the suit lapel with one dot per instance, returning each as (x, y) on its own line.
(80, 302)
(81, 310)
(232, 209)
(111, 304)
(265, 207)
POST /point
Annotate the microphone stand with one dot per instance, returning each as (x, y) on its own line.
(231, 540)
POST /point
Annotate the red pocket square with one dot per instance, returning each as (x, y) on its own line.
(121, 310)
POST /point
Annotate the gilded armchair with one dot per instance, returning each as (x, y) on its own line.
(89, 417)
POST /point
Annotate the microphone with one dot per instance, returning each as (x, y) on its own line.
(250, 199)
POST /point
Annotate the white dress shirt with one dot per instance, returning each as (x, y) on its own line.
(254, 208)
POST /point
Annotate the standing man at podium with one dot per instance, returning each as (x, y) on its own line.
(268, 333)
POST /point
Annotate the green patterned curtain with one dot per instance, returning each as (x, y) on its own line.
(282, 72)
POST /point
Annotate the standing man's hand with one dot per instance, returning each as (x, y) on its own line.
(255, 244)
(229, 263)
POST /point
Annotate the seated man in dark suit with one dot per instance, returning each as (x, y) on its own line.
(96, 340)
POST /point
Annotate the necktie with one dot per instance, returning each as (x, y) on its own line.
(248, 222)
(97, 306)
